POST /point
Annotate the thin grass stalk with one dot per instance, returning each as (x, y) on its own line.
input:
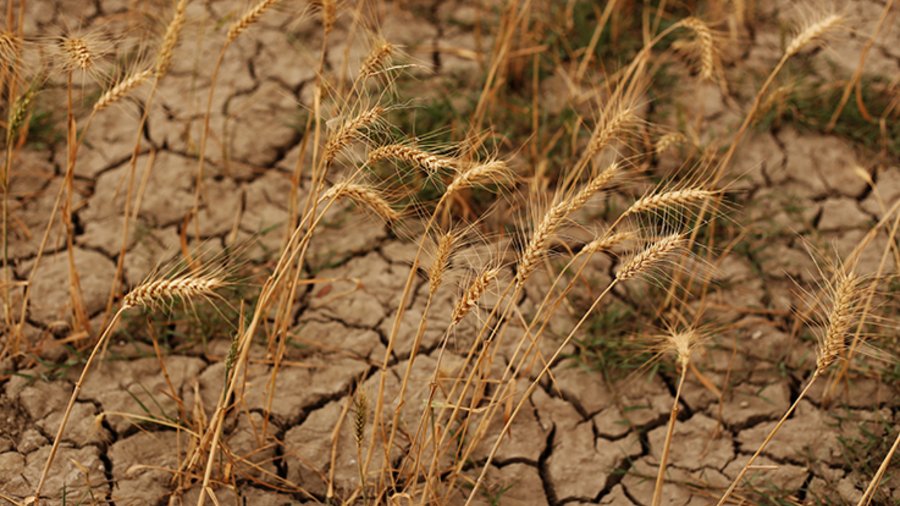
(395, 328)
(670, 431)
(68, 411)
(527, 394)
(513, 368)
(767, 440)
(869, 494)
(496, 337)
(296, 245)
(80, 314)
(462, 180)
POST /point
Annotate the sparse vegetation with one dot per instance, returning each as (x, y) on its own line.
(526, 279)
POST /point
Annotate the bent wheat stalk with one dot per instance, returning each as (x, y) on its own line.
(150, 294)
(844, 312)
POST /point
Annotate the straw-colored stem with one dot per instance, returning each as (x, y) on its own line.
(867, 496)
(673, 418)
(527, 394)
(68, 412)
(765, 443)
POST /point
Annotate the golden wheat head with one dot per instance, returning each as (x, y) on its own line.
(164, 292)
(365, 196)
(653, 255)
(845, 311)
(470, 297)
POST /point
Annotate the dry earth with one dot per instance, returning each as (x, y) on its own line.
(583, 440)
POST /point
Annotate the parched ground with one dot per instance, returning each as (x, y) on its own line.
(591, 436)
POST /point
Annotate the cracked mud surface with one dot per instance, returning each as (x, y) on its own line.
(583, 439)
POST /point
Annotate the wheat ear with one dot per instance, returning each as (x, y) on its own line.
(376, 60)
(670, 199)
(651, 256)
(844, 312)
(9, 48)
(707, 46)
(440, 262)
(170, 40)
(152, 294)
(606, 242)
(350, 130)
(490, 171)
(667, 141)
(250, 17)
(611, 127)
(163, 292)
(470, 297)
(416, 156)
(845, 308)
(77, 53)
(365, 196)
(814, 31)
(553, 218)
(122, 89)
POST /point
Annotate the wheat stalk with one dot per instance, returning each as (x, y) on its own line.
(669, 199)
(441, 259)
(474, 292)
(122, 89)
(681, 342)
(9, 48)
(365, 196)
(707, 46)
(250, 17)
(651, 256)
(77, 53)
(490, 171)
(170, 40)
(423, 159)
(160, 292)
(606, 242)
(376, 59)
(844, 312)
(667, 141)
(609, 128)
(553, 218)
(812, 32)
(349, 130)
